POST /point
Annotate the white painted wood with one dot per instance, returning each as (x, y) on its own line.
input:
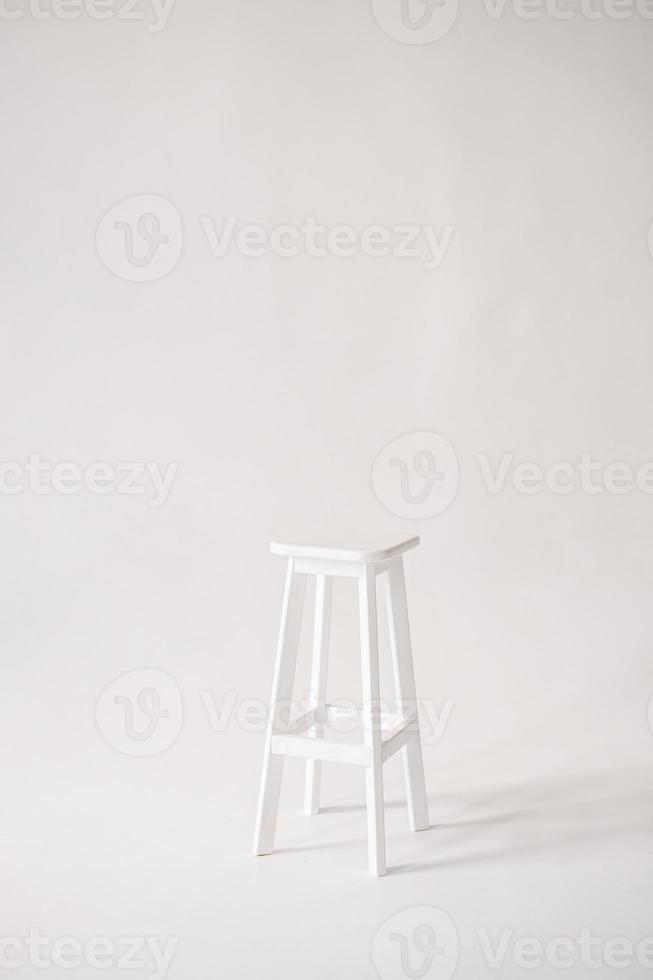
(335, 714)
(282, 686)
(325, 566)
(363, 550)
(297, 726)
(321, 629)
(402, 663)
(371, 710)
(294, 738)
(392, 725)
(311, 736)
(304, 747)
(398, 741)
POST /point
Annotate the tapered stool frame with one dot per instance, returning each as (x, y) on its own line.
(384, 734)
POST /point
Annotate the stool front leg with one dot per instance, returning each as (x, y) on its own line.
(372, 721)
(282, 688)
(323, 592)
(404, 675)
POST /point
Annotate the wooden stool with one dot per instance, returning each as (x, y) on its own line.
(383, 734)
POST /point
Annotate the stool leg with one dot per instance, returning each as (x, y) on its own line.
(323, 591)
(282, 686)
(402, 663)
(371, 709)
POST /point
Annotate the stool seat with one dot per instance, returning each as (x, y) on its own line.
(362, 549)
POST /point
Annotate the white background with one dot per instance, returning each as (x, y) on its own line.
(274, 383)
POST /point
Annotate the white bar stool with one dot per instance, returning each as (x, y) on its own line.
(383, 733)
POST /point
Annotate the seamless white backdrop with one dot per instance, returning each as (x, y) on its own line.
(274, 383)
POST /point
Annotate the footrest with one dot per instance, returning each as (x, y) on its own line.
(335, 733)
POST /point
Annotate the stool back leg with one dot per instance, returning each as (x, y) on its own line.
(282, 688)
(404, 675)
(372, 727)
(323, 593)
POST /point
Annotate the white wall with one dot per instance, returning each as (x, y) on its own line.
(274, 382)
